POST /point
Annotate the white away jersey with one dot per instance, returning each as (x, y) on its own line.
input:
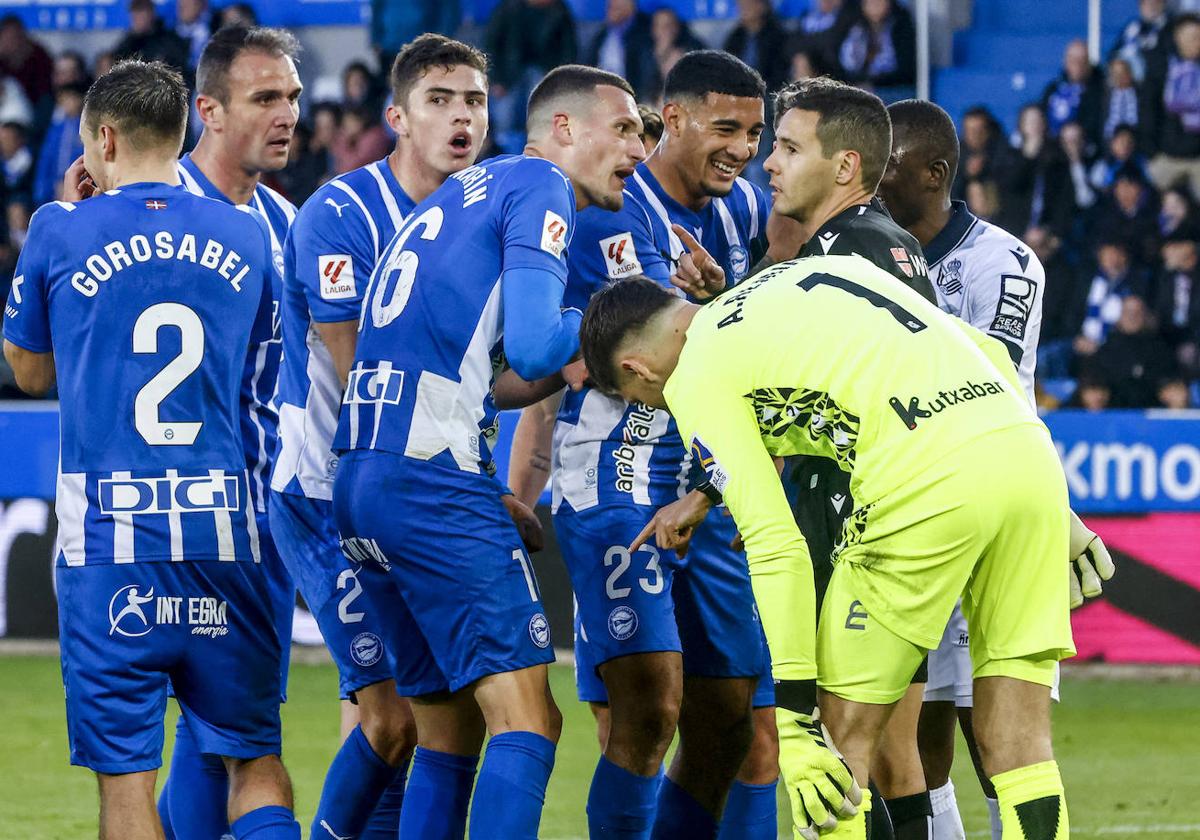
(993, 281)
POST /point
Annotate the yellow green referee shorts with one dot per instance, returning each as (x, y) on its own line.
(988, 523)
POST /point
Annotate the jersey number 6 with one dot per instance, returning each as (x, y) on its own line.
(146, 404)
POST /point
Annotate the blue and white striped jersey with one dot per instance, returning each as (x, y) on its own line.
(260, 420)
(431, 333)
(607, 451)
(149, 298)
(334, 243)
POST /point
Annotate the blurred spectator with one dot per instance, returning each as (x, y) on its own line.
(524, 39)
(1114, 281)
(360, 88)
(60, 146)
(672, 38)
(235, 14)
(819, 33)
(1092, 392)
(26, 61)
(804, 66)
(360, 141)
(1135, 362)
(192, 25)
(984, 152)
(1121, 152)
(652, 127)
(624, 46)
(1064, 304)
(983, 198)
(17, 161)
(1130, 214)
(149, 38)
(1142, 36)
(1074, 149)
(14, 106)
(70, 68)
(1076, 95)
(760, 40)
(1038, 192)
(1170, 121)
(304, 171)
(1120, 98)
(879, 50)
(103, 63)
(1177, 301)
(396, 22)
(1177, 217)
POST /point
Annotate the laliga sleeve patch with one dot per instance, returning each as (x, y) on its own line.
(620, 258)
(709, 463)
(554, 233)
(337, 276)
(1015, 306)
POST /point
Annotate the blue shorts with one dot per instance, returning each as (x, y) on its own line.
(348, 599)
(701, 605)
(459, 566)
(125, 629)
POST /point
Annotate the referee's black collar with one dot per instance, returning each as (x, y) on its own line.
(960, 224)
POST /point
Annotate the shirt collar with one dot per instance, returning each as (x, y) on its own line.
(960, 223)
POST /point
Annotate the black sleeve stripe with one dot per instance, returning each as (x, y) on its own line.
(1015, 351)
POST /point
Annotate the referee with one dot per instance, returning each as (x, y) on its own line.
(832, 144)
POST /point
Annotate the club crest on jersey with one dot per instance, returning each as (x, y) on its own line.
(622, 623)
(337, 276)
(950, 277)
(539, 630)
(739, 261)
(366, 649)
(554, 233)
(620, 257)
(708, 462)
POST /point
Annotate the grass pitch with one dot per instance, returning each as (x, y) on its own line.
(1129, 752)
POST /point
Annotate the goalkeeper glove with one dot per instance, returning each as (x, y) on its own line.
(819, 784)
(1090, 562)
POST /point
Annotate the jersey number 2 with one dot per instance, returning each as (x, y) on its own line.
(146, 420)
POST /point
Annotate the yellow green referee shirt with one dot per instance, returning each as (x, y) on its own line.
(827, 356)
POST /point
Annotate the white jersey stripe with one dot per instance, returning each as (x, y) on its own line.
(260, 466)
(389, 200)
(661, 211)
(731, 231)
(251, 525)
(224, 523)
(752, 203)
(71, 506)
(175, 526)
(189, 183)
(344, 187)
(122, 528)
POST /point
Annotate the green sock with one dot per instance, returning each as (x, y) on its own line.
(1032, 803)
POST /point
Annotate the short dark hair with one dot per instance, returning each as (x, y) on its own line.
(613, 313)
(569, 80)
(847, 118)
(702, 72)
(419, 55)
(930, 128)
(652, 123)
(146, 100)
(223, 48)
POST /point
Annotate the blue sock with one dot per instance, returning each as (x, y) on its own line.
(438, 793)
(356, 779)
(679, 815)
(384, 823)
(196, 791)
(750, 813)
(271, 822)
(621, 804)
(512, 786)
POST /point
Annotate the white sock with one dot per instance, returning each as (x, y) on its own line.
(947, 824)
(994, 816)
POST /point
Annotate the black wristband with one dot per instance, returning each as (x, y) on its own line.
(710, 490)
(799, 696)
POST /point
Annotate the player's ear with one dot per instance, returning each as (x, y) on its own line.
(674, 117)
(397, 119)
(561, 128)
(939, 173)
(108, 143)
(210, 110)
(849, 167)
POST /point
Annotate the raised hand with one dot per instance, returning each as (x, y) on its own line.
(697, 273)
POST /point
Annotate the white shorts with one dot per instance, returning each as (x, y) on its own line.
(950, 666)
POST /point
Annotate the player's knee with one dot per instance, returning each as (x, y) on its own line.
(648, 724)
(761, 765)
(262, 780)
(393, 735)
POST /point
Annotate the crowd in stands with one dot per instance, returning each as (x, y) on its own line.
(1100, 175)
